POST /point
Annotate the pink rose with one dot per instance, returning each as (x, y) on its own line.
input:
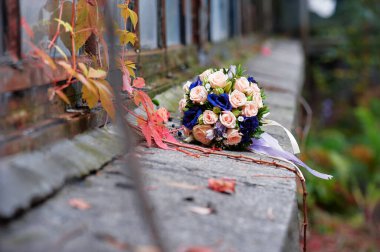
(205, 74)
(237, 99)
(250, 109)
(200, 133)
(218, 79)
(209, 117)
(228, 119)
(233, 137)
(253, 88)
(198, 94)
(257, 98)
(181, 105)
(241, 84)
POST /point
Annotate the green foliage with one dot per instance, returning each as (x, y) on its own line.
(353, 163)
(346, 141)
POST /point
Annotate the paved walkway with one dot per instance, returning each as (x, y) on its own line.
(260, 216)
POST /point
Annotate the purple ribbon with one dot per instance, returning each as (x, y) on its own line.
(266, 144)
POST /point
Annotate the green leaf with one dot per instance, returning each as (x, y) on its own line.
(134, 18)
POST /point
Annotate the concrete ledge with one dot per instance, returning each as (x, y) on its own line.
(28, 177)
(261, 216)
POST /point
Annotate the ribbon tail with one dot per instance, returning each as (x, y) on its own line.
(262, 146)
(293, 141)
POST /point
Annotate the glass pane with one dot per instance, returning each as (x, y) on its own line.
(148, 10)
(219, 20)
(235, 18)
(173, 36)
(188, 24)
(40, 15)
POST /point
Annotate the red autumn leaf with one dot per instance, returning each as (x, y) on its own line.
(164, 114)
(142, 98)
(146, 131)
(79, 204)
(158, 140)
(139, 82)
(223, 185)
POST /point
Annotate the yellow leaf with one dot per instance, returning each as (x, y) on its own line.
(126, 37)
(106, 95)
(67, 67)
(66, 25)
(90, 97)
(134, 18)
(86, 83)
(46, 58)
(62, 96)
(60, 51)
(123, 11)
(131, 67)
(97, 73)
(84, 69)
(83, 26)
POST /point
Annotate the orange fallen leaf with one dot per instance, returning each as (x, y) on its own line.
(223, 185)
(79, 204)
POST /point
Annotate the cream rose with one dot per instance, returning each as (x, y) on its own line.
(209, 117)
(181, 105)
(205, 74)
(257, 98)
(228, 119)
(186, 87)
(233, 137)
(250, 109)
(200, 133)
(198, 94)
(241, 84)
(252, 89)
(237, 99)
(218, 79)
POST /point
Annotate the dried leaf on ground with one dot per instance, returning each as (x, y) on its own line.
(202, 210)
(80, 204)
(223, 185)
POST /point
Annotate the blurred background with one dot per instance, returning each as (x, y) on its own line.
(342, 88)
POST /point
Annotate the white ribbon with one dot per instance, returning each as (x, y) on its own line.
(293, 141)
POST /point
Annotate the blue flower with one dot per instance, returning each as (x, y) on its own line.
(190, 118)
(198, 82)
(251, 79)
(249, 125)
(220, 101)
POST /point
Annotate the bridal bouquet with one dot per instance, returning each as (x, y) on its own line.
(223, 108)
